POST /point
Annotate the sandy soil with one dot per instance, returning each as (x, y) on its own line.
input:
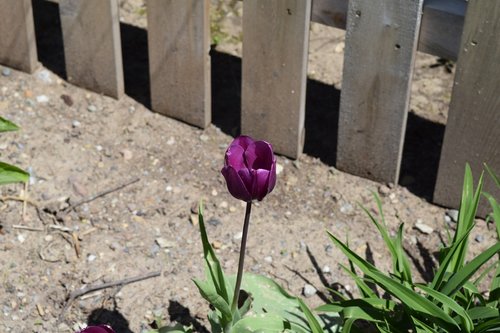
(78, 144)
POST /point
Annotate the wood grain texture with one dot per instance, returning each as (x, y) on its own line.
(442, 23)
(92, 45)
(275, 46)
(17, 35)
(473, 129)
(381, 42)
(179, 45)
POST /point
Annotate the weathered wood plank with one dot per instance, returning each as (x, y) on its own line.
(381, 43)
(17, 35)
(442, 23)
(473, 129)
(275, 46)
(92, 47)
(179, 44)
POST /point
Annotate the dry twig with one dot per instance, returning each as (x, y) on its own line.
(80, 292)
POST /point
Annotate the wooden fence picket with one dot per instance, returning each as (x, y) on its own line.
(275, 48)
(179, 62)
(381, 42)
(473, 129)
(92, 45)
(17, 35)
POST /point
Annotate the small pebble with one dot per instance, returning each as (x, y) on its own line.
(279, 168)
(453, 214)
(238, 236)
(384, 190)
(216, 245)
(479, 238)
(204, 137)
(21, 238)
(268, 259)
(44, 76)
(214, 192)
(42, 99)
(346, 208)
(127, 154)
(224, 205)
(194, 219)
(423, 228)
(214, 222)
(75, 123)
(91, 108)
(326, 269)
(163, 243)
(91, 257)
(309, 290)
(171, 141)
(6, 71)
(67, 100)
(447, 219)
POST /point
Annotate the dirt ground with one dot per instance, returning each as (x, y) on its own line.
(78, 144)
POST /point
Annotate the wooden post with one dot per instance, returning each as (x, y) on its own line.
(473, 129)
(179, 45)
(17, 35)
(275, 46)
(92, 47)
(381, 42)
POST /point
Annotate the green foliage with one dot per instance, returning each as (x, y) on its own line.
(265, 305)
(451, 302)
(9, 173)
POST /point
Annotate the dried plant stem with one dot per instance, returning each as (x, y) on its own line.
(241, 261)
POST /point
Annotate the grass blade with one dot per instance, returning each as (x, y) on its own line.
(451, 304)
(311, 319)
(460, 278)
(411, 299)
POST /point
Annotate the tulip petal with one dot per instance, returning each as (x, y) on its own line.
(98, 329)
(234, 157)
(259, 155)
(272, 177)
(235, 184)
(243, 140)
(260, 183)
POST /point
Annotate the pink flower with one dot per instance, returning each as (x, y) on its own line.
(97, 329)
(249, 168)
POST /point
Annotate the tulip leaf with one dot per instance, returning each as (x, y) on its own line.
(265, 323)
(214, 268)
(12, 174)
(7, 126)
(208, 292)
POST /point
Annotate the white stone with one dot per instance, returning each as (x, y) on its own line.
(309, 290)
(423, 228)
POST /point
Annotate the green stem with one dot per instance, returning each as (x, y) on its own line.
(234, 305)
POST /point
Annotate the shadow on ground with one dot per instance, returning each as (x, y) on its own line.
(179, 313)
(422, 142)
(112, 318)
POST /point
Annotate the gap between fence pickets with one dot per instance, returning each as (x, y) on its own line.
(440, 31)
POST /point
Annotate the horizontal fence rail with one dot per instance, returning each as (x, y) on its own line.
(381, 43)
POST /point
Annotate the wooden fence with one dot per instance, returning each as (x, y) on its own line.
(382, 38)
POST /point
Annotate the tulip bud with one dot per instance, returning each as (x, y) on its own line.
(97, 329)
(249, 168)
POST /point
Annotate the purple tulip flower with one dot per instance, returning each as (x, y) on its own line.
(97, 329)
(249, 169)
